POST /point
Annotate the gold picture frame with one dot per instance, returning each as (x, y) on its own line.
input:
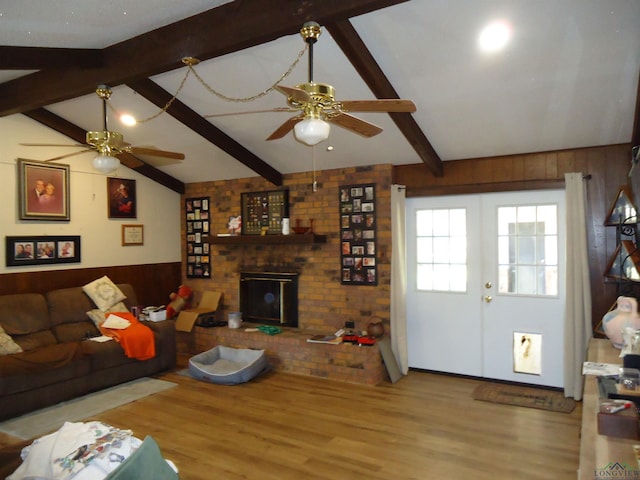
(43, 190)
(132, 235)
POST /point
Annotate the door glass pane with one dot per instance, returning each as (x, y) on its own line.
(528, 250)
(424, 222)
(441, 250)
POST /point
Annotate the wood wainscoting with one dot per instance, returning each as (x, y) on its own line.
(152, 282)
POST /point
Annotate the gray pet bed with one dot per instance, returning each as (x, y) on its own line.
(228, 366)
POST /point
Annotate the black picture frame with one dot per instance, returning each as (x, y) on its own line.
(43, 190)
(198, 218)
(262, 212)
(358, 235)
(42, 250)
(122, 198)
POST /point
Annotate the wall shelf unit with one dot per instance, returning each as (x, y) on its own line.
(307, 238)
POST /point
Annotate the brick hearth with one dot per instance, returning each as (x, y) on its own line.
(290, 352)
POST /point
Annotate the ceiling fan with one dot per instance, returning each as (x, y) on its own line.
(318, 107)
(108, 144)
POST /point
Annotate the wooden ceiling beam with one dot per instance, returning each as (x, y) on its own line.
(59, 124)
(41, 58)
(233, 26)
(359, 55)
(184, 114)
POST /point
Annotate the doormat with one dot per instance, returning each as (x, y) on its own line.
(49, 419)
(543, 399)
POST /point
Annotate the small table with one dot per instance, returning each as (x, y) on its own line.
(596, 451)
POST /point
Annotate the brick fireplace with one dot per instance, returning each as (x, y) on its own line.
(324, 303)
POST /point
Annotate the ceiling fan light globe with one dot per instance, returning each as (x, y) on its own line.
(312, 131)
(105, 164)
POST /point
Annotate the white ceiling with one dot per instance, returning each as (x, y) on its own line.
(568, 79)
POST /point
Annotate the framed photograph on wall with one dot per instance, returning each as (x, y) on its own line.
(358, 236)
(132, 235)
(121, 195)
(43, 190)
(262, 212)
(42, 250)
(197, 227)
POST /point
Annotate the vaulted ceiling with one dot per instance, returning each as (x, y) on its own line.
(567, 79)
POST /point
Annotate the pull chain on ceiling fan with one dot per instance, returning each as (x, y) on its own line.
(108, 144)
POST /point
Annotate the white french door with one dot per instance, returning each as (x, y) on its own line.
(485, 285)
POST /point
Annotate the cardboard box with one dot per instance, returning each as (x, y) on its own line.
(208, 304)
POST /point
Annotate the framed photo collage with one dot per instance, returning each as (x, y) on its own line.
(358, 236)
(197, 227)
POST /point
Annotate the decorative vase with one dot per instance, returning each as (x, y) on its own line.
(615, 321)
(375, 328)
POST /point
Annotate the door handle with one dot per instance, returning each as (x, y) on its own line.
(488, 299)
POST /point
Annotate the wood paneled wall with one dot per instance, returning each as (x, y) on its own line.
(606, 169)
(152, 282)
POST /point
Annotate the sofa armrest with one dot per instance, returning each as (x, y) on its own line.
(165, 333)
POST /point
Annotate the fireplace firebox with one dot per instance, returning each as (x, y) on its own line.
(269, 298)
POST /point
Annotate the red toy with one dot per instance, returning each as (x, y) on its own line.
(179, 301)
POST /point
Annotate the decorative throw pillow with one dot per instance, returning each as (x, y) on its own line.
(104, 293)
(97, 316)
(7, 345)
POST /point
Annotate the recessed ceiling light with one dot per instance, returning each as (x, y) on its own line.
(128, 120)
(495, 36)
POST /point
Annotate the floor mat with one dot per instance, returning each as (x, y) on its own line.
(49, 419)
(531, 397)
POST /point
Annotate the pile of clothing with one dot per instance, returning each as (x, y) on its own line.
(93, 451)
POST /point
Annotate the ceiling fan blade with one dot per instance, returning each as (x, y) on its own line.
(270, 110)
(297, 94)
(285, 128)
(129, 160)
(155, 153)
(356, 125)
(380, 105)
(69, 155)
(53, 145)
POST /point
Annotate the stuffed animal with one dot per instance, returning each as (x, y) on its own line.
(179, 301)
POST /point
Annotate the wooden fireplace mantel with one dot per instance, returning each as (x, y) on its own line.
(306, 238)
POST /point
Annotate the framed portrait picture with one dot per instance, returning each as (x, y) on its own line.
(121, 195)
(42, 250)
(43, 190)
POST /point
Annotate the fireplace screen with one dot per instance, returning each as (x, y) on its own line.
(270, 298)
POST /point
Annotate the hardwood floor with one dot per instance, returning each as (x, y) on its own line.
(288, 427)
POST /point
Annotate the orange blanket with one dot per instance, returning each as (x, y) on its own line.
(137, 339)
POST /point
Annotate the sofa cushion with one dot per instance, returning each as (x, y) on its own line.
(104, 293)
(33, 341)
(98, 317)
(7, 345)
(103, 355)
(45, 366)
(69, 306)
(75, 332)
(24, 313)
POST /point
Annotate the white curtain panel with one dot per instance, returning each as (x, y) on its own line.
(399, 278)
(577, 323)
